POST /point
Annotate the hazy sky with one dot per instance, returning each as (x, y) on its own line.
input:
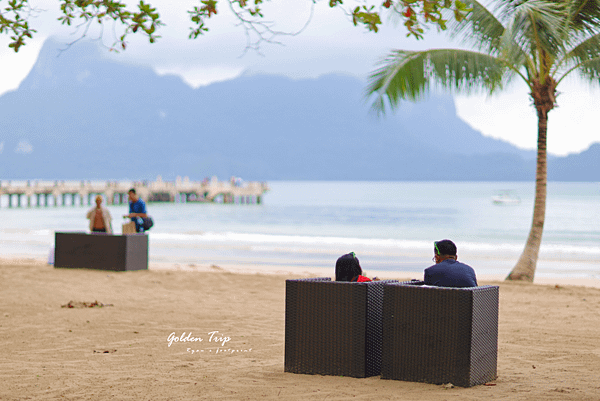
(329, 44)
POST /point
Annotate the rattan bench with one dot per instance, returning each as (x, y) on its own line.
(333, 328)
(440, 334)
(101, 251)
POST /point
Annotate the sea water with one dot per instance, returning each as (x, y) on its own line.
(390, 225)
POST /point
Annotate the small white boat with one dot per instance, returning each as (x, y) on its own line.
(506, 198)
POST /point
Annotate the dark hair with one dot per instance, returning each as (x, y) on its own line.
(444, 247)
(347, 267)
(131, 190)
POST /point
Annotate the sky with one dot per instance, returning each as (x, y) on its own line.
(329, 44)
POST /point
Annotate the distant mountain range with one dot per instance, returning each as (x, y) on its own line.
(83, 116)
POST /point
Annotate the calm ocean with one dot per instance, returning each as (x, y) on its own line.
(390, 225)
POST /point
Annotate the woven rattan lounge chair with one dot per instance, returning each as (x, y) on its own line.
(440, 334)
(333, 328)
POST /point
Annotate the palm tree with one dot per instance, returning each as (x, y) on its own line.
(539, 41)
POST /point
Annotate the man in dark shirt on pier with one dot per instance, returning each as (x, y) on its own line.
(137, 210)
(448, 271)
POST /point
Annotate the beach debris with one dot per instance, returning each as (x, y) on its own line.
(77, 304)
(107, 351)
(448, 385)
(489, 384)
(533, 366)
(216, 267)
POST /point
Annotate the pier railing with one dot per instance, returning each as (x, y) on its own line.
(62, 193)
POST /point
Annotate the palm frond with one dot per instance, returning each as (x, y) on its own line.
(586, 50)
(486, 33)
(583, 16)
(410, 75)
(513, 52)
(588, 70)
(480, 28)
(505, 9)
(538, 25)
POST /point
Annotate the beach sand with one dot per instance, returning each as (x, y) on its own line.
(549, 341)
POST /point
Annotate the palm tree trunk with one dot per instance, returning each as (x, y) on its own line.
(524, 270)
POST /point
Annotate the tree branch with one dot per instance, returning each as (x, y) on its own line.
(144, 19)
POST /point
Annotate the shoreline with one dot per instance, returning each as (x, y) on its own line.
(396, 260)
(288, 270)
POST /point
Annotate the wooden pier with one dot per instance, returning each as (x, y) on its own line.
(74, 193)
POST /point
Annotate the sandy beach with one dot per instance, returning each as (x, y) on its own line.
(549, 346)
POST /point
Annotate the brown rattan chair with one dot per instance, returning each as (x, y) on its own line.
(333, 328)
(440, 334)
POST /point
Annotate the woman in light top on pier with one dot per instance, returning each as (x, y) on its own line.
(100, 218)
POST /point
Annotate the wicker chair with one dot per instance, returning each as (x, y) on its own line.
(333, 328)
(439, 334)
(101, 251)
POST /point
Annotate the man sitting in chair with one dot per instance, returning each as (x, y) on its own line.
(448, 271)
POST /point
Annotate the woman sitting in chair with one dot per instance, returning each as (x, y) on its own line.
(347, 268)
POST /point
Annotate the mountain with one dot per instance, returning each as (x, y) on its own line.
(584, 166)
(82, 116)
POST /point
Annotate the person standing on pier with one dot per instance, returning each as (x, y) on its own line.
(100, 218)
(137, 210)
